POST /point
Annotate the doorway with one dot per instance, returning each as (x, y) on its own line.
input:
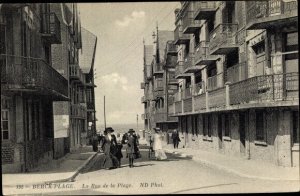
(242, 132)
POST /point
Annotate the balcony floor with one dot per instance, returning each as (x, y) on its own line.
(224, 49)
(182, 41)
(193, 69)
(274, 21)
(205, 13)
(191, 29)
(206, 60)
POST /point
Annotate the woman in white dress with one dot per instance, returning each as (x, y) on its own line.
(157, 145)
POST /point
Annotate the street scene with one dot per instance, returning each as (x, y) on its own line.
(149, 97)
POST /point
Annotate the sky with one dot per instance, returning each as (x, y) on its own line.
(120, 29)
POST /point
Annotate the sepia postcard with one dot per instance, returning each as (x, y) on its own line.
(176, 97)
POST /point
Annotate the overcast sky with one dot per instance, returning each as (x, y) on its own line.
(120, 28)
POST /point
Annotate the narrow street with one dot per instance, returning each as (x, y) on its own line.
(176, 175)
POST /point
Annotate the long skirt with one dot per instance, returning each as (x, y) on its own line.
(160, 154)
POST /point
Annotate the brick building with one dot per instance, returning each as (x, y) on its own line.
(238, 78)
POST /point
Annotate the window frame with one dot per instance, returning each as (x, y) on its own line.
(5, 109)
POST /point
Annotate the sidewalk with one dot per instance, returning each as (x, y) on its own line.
(61, 170)
(238, 166)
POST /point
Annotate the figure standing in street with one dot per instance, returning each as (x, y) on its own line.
(95, 143)
(157, 145)
(176, 139)
(109, 147)
(131, 147)
(119, 154)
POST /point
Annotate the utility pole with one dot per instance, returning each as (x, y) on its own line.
(137, 122)
(104, 114)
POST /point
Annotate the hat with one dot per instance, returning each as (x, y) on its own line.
(131, 130)
(156, 129)
(109, 129)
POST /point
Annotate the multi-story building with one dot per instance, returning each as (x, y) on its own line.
(29, 84)
(43, 85)
(238, 78)
(86, 61)
(157, 74)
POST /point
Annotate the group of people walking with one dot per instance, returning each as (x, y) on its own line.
(113, 149)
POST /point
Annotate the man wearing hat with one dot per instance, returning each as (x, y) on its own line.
(109, 147)
(131, 147)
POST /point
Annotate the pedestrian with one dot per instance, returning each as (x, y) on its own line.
(109, 147)
(157, 145)
(95, 143)
(176, 139)
(131, 147)
(119, 154)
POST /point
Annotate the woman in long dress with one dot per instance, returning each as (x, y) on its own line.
(109, 146)
(157, 145)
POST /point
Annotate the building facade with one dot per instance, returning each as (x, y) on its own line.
(43, 110)
(238, 78)
(159, 64)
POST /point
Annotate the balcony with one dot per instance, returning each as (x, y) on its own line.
(200, 102)
(180, 38)
(199, 88)
(50, 28)
(158, 69)
(189, 24)
(217, 98)
(271, 14)
(202, 56)
(223, 39)
(265, 88)
(172, 80)
(90, 105)
(142, 85)
(205, 10)
(32, 75)
(171, 48)
(237, 72)
(179, 71)
(171, 61)
(76, 74)
(178, 107)
(189, 64)
(78, 111)
(187, 93)
(215, 82)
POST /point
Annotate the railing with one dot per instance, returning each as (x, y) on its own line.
(215, 82)
(188, 20)
(178, 107)
(51, 26)
(201, 50)
(217, 98)
(171, 99)
(26, 72)
(76, 72)
(265, 88)
(200, 102)
(205, 5)
(178, 34)
(189, 60)
(179, 69)
(263, 9)
(188, 104)
(78, 111)
(223, 34)
(90, 105)
(237, 72)
(199, 88)
(187, 92)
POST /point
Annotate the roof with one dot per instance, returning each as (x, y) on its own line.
(163, 37)
(88, 50)
(148, 54)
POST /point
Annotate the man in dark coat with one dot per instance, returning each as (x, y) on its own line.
(131, 147)
(176, 139)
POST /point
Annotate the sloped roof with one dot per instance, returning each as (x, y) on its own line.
(148, 54)
(88, 50)
(163, 37)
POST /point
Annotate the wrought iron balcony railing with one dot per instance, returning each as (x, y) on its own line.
(237, 72)
(223, 39)
(215, 82)
(271, 13)
(180, 38)
(265, 88)
(76, 73)
(189, 24)
(202, 56)
(50, 28)
(26, 73)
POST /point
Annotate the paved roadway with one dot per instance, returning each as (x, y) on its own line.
(176, 175)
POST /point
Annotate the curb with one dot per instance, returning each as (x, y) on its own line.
(68, 179)
(229, 170)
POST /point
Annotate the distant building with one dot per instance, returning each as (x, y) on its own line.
(238, 78)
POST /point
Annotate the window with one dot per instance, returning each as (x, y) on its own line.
(227, 125)
(295, 127)
(260, 132)
(4, 119)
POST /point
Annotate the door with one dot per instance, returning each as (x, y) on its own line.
(242, 132)
(220, 130)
